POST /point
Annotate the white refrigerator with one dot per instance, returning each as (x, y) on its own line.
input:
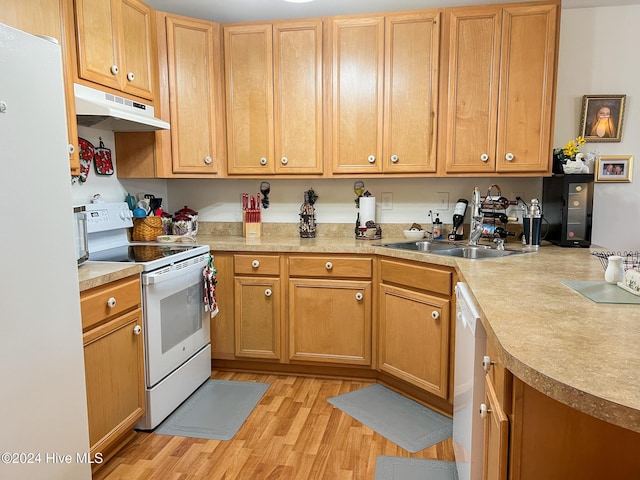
(43, 411)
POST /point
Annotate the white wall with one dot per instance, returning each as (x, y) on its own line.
(599, 55)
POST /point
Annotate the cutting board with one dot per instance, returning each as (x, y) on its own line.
(602, 292)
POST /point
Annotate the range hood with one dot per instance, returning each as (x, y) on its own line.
(95, 108)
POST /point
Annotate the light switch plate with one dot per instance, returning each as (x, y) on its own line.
(443, 201)
(387, 201)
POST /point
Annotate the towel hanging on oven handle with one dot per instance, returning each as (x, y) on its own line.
(210, 281)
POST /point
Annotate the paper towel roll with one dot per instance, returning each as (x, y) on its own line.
(367, 210)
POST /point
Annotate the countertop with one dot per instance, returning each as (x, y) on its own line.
(581, 353)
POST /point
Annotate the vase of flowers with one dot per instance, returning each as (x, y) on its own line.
(567, 153)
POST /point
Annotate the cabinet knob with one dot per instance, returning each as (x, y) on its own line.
(268, 292)
(484, 157)
(207, 160)
(114, 69)
(484, 411)
(394, 158)
(371, 159)
(111, 302)
(284, 160)
(328, 265)
(435, 314)
(263, 161)
(71, 148)
(255, 263)
(509, 157)
(137, 329)
(130, 76)
(486, 363)
(359, 296)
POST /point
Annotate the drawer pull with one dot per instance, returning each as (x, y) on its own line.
(486, 363)
(328, 265)
(111, 302)
(359, 296)
(435, 315)
(484, 411)
(114, 69)
(394, 158)
(263, 161)
(72, 149)
(137, 330)
(509, 157)
(284, 160)
(268, 292)
(484, 157)
(255, 263)
(207, 160)
(371, 159)
(130, 76)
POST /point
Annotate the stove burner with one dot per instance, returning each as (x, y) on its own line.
(138, 253)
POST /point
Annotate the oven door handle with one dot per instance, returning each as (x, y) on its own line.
(164, 275)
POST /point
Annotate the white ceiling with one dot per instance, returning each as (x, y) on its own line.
(225, 11)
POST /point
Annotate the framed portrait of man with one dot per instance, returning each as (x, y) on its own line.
(602, 117)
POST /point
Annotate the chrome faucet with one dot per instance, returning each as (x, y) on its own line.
(477, 218)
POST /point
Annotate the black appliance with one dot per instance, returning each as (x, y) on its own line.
(567, 203)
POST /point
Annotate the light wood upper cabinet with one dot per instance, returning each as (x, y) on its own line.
(500, 89)
(192, 100)
(274, 97)
(411, 92)
(357, 47)
(385, 93)
(54, 19)
(116, 45)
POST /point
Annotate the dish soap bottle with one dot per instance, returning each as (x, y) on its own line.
(615, 271)
(437, 228)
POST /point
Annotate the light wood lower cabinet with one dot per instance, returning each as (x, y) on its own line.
(496, 436)
(330, 321)
(114, 362)
(414, 338)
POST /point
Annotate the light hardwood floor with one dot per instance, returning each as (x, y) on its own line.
(293, 433)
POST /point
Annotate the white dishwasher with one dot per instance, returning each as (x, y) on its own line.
(468, 390)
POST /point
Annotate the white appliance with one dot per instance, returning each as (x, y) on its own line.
(176, 327)
(468, 387)
(42, 384)
(95, 108)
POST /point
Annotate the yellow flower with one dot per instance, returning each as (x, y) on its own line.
(573, 147)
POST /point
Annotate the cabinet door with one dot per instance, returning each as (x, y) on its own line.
(297, 49)
(496, 437)
(54, 19)
(257, 317)
(527, 81)
(98, 56)
(113, 358)
(357, 103)
(138, 59)
(474, 68)
(330, 321)
(411, 92)
(414, 338)
(248, 51)
(190, 62)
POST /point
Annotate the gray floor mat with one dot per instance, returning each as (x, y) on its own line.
(403, 468)
(215, 411)
(405, 422)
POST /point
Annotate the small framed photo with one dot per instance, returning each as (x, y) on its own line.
(614, 168)
(602, 117)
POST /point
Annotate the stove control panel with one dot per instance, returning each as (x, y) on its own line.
(102, 217)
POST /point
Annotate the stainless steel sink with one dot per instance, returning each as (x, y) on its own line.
(454, 249)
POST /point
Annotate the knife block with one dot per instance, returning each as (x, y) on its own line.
(250, 229)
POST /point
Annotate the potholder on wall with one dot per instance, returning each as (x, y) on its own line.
(87, 151)
(102, 160)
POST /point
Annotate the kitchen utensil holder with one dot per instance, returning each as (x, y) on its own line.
(146, 229)
(250, 229)
(630, 260)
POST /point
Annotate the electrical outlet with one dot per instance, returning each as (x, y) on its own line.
(387, 201)
(443, 201)
(515, 195)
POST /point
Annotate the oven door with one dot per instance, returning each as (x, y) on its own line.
(177, 325)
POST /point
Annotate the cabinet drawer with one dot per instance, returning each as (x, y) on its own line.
(330, 266)
(108, 300)
(256, 264)
(417, 276)
(500, 378)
